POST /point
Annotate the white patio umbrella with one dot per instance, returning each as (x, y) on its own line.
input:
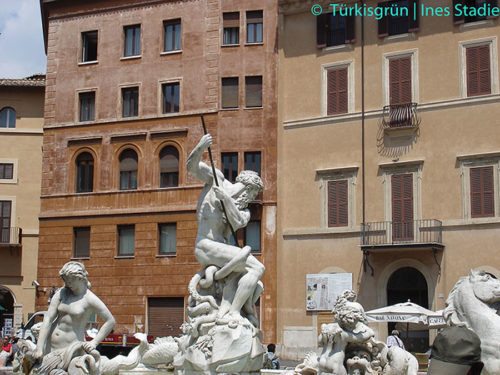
(408, 313)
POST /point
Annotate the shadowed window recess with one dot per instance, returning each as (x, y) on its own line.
(132, 45)
(81, 242)
(84, 173)
(128, 170)
(229, 92)
(254, 26)
(87, 106)
(172, 35)
(169, 167)
(231, 28)
(253, 91)
(170, 97)
(130, 101)
(230, 165)
(126, 240)
(89, 46)
(7, 117)
(334, 30)
(5, 214)
(167, 238)
(6, 171)
(399, 17)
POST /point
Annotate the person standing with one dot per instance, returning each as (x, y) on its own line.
(6, 352)
(394, 340)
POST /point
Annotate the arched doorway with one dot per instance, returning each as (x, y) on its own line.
(6, 311)
(407, 283)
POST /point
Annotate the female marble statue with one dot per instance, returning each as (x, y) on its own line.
(62, 335)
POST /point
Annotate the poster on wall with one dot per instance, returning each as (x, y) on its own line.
(322, 289)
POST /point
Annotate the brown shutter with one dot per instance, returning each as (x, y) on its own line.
(493, 4)
(321, 26)
(482, 192)
(457, 20)
(230, 92)
(231, 19)
(350, 29)
(337, 203)
(165, 316)
(253, 91)
(383, 23)
(337, 101)
(413, 17)
(402, 206)
(400, 80)
(478, 70)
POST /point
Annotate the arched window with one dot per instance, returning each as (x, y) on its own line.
(169, 167)
(7, 118)
(84, 173)
(128, 170)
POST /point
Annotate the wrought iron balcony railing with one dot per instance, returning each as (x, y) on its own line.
(397, 233)
(400, 115)
(11, 236)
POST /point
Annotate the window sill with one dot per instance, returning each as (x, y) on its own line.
(475, 25)
(135, 57)
(252, 108)
(229, 45)
(80, 258)
(254, 44)
(339, 48)
(400, 38)
(83, 63)
(230, 109)
(124, 257)
(173, 255)
(170, 114)
(130, 117)
(174, 52)
(8, 181)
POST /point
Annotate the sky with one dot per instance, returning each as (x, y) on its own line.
(21, 39)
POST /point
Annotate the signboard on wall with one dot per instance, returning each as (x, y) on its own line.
(322, 289)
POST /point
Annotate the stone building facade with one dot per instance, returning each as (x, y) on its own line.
(21, 130)
(127, 82)
(389, 159)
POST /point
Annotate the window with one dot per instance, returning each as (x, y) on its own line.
(478, 70)
(167, 238)
(337, 203)
(172, 35)
(402, 206)
(337, 95)
(231, 28)
(254, 26)
(230, 165)
(169, 167)
(132, 40)
(252, 161)
(81, 242)
(84, 173)
(405, 20)
(170, 95)
(230, 92)
(128, 170)
(5, 213)
(470, 16)
(165, 316)
(400, 80)
(252, 235)
(7, 118)
(126, 240)
(87, 106)
(89, 46)
(253, 91)
(6, 171)
(337, 188)
(130, 100)
(482, 192)
(334, 30)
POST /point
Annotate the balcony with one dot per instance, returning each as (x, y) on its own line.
(397, 116)
(11, 236)
(415, 233)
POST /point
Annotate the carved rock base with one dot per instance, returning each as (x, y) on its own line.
(224, 348)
